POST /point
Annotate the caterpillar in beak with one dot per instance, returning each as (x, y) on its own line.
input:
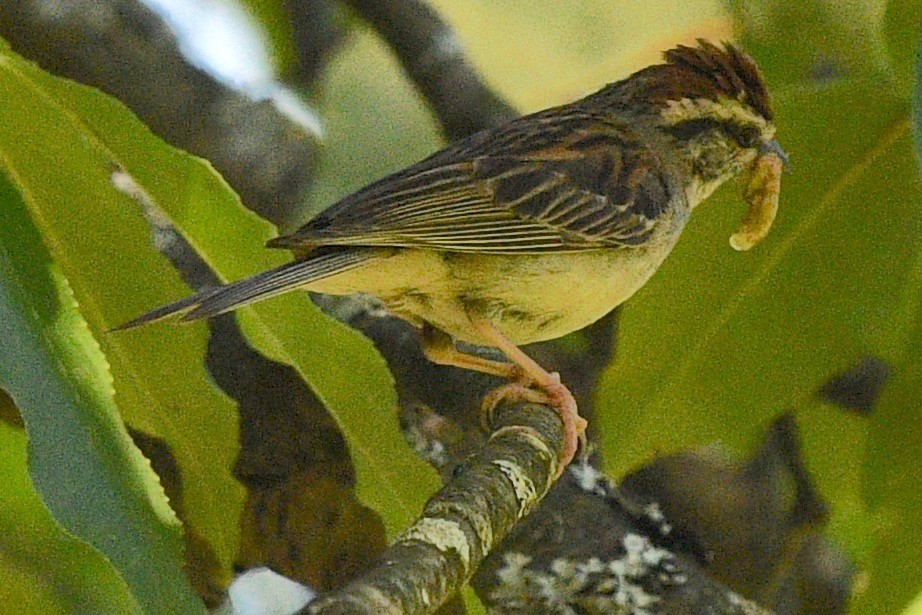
(761, 194)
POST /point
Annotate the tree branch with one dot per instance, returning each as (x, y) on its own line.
(462, 523)
(583, 521)
(434, 59)
(317, 29)
(125, 49)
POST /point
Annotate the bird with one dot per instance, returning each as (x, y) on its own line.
(536, 228)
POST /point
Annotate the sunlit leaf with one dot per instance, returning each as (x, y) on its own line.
(102, 244)
(81, 579)
(82, 462)
(289, 329)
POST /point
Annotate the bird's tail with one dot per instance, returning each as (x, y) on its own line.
(213, 301)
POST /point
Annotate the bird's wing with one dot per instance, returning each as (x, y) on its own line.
(555, 181)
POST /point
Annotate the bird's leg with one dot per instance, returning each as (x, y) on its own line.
(545, 388)
(440, 348)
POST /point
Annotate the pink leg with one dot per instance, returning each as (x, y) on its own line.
(440, 348)
(550, 391)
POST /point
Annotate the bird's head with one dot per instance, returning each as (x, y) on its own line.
(710, 103)
(713, 104)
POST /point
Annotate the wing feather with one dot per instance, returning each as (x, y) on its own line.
(574, 182)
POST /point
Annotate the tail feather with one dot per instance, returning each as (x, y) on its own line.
(165, 311)
(214, 301)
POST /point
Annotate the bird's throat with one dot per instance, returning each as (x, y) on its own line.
(698, 189)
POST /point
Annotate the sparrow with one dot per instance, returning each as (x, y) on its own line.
(537, 228)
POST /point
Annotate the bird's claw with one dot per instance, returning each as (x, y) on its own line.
(550, 393)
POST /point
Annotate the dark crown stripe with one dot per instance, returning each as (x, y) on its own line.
(727, 69)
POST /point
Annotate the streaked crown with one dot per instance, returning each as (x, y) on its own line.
(707, 72)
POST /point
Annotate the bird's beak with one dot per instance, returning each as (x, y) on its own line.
(772, 147)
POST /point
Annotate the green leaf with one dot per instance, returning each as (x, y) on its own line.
(341, 365)
(903, 28)
(81, 580)
(472, 603)
(89, 473)
(102, 244)
(720, 342)
(917, 106)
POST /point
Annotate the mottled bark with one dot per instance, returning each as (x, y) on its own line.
(463, 522)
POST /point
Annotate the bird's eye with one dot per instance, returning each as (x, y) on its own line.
(746, 136)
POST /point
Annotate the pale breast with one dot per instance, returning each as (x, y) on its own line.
(539, 297)
(529, 297)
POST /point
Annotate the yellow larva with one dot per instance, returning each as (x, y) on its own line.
(761, 194)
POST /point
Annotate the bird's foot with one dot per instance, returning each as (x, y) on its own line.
(550, 393)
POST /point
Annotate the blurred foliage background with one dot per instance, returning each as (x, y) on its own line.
(715, 347)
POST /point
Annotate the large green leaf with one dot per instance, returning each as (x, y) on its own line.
(89, 473)
(102, 245)
(720, 342)
(184, 410)
(81, 580)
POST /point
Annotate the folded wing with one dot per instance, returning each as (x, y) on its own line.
(575, 184)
